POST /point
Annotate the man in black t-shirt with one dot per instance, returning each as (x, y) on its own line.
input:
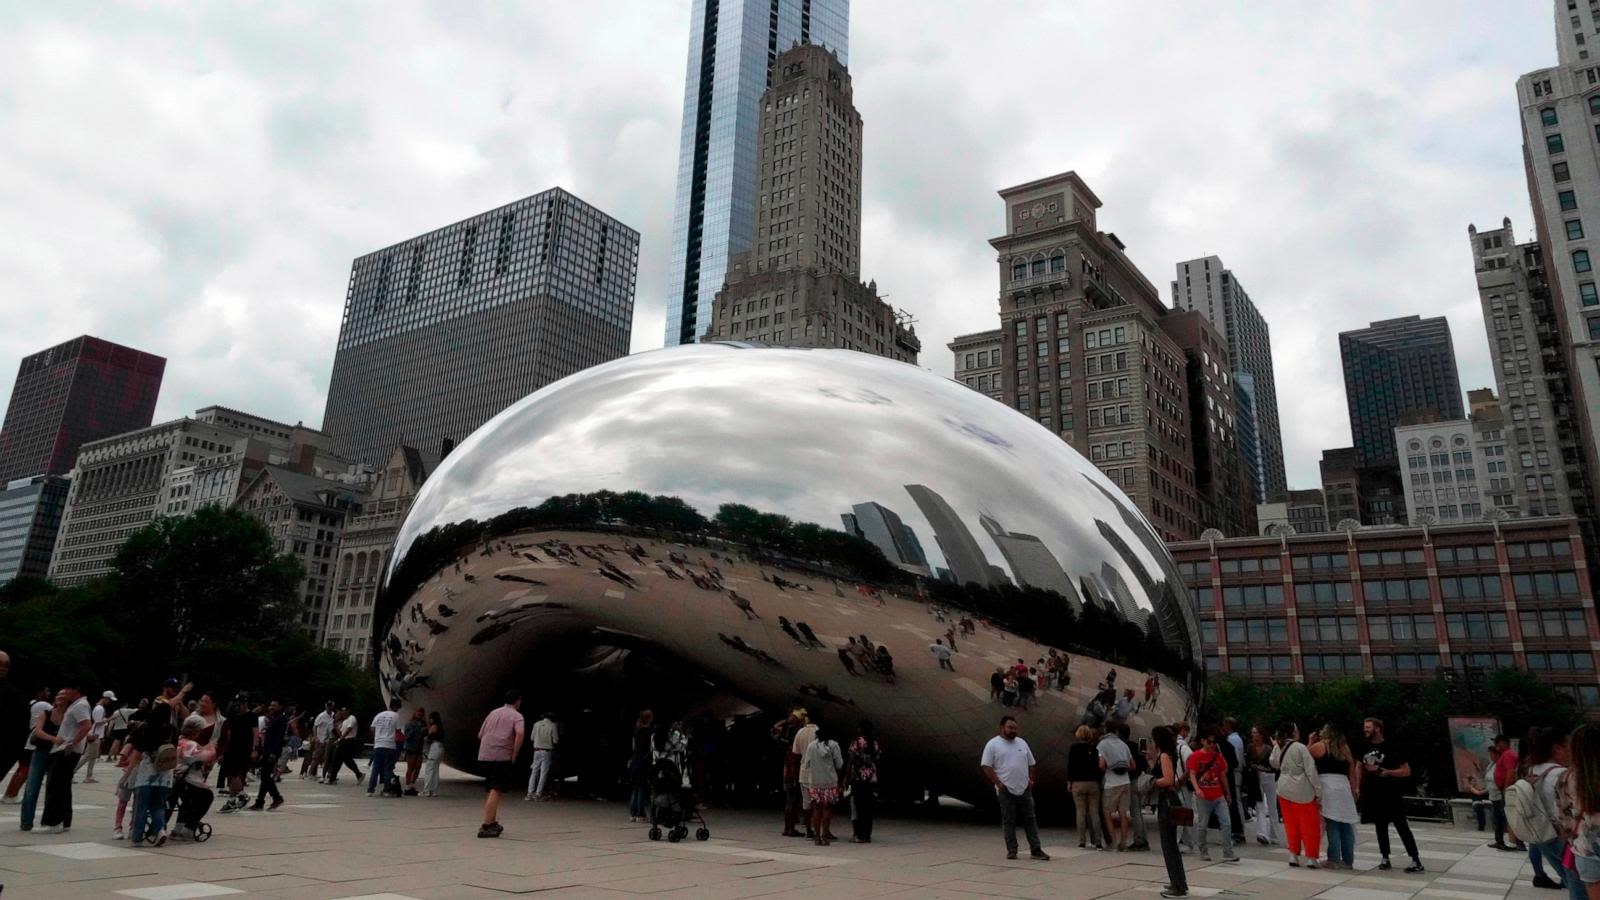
(1385, 773)
(239, 746)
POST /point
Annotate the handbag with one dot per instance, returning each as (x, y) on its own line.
(1180, 816)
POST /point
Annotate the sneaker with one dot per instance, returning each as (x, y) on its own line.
(257, 807)
(275, 804)
(1415, 867)
(10, 801)
(1385, 864)
(1262, 841)
(1544, 881)
(1500, 845)
(1229, 856)
(528, 798)
(118, 835)
(160, 840)
(498, 828)
(1173, 892)
(487, 831)
(1011, 854)
(1040, 855)
(1311, 864)
(91, 781)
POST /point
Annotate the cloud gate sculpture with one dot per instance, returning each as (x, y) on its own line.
(742, 529)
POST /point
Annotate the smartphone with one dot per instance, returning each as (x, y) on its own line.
(1144, 745)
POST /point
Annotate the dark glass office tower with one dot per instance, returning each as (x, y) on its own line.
(732, 46)
(71, 394)
(443, 331)
(1394, 368)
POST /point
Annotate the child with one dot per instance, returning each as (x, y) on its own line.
(127, 758)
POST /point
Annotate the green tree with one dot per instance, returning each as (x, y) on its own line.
(210, 575)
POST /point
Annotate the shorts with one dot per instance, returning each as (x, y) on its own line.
(499, 775)
(1116, 799)
(118, 735)
(1588, 868)
(234, 766)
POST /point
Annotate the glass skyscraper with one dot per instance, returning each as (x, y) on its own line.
(732, 45)
(443, 331)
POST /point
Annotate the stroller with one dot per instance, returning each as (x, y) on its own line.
(671, 806)
(187, 805)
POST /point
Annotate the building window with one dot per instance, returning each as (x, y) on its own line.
(1580, 261)
(1554, 144)
(1594, 328)
(1569, 201)
(1587, 294)
(1574, 229)
(1561, 172)
(1019, 271)
(1548, 114)
(1594, 105)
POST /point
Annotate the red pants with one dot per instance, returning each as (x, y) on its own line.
(1302, 827)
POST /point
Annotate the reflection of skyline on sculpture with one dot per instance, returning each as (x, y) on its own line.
(642, 423)
(886, 530)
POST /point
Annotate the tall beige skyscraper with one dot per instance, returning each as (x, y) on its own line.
(1561, 149)
(799, 283)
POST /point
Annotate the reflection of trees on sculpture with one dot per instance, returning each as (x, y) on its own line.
(1042, 615)
(763, 535)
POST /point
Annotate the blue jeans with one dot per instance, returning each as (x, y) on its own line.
(1341, 841)
(38, 766)
(1203, 809)
(149, 812)
(382, 770)
(639, 800)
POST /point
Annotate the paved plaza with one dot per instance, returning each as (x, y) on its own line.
(335, 842)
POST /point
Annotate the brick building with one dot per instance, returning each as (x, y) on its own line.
(1399, 603)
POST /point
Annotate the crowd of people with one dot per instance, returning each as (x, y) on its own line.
(177, 752)
(1295, 790)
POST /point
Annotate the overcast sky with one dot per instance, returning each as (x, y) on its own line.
(194, 179)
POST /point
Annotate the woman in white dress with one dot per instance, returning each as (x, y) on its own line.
(1336, 768)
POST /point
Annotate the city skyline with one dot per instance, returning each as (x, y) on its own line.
(235, 244)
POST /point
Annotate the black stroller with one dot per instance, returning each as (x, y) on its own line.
(672, 807)
(187, 806)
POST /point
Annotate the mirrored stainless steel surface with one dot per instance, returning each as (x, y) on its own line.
(716, 524)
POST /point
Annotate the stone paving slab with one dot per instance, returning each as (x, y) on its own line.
(335, 843)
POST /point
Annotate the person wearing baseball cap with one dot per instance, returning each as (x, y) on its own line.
(100, 719)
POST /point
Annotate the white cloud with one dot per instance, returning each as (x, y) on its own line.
(194, 180)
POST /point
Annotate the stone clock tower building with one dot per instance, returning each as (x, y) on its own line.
(799, 283)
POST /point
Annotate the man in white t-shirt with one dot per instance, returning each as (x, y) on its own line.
(74, 733)
(941, 653)
(346, 744)
(100, 720)
(544, 738)
(384, 752)
(1009, 765)
(802, 741)
(321, 737)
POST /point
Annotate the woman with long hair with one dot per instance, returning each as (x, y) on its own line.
(1545, 765)
(416, 736)
(1583, 793)
(1339, 775)
(1168, 775)
(862, 767)
(1258, 756)
(433, 754)
(1299, 789)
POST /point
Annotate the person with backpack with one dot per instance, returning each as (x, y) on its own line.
(1533, 803)
(1116, 763)
(1299, 793)
(1512, 765)
(153, 739)
(1386, 771)
(1208, 772)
